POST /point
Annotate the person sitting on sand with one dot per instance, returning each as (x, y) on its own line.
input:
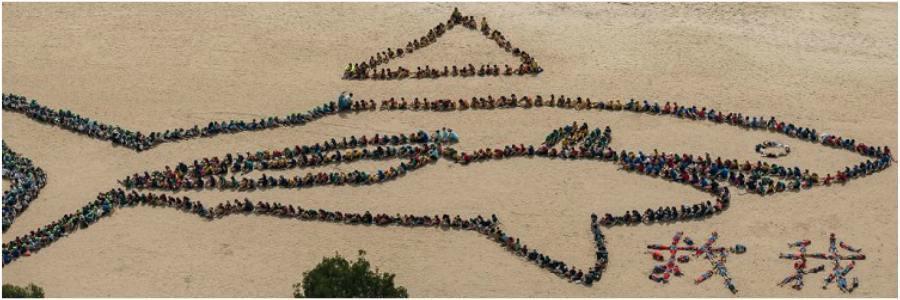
(456, 16)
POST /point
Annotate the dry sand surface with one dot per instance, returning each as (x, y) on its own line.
(160, 66)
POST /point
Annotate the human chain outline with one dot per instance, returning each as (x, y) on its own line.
(577, 142)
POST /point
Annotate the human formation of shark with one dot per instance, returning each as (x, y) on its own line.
(420, 149)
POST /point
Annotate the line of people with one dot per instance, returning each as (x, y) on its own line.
(211, 173)
(26, 182)
(138, 141)
(369, 69)
(670, 213)
(107, 203)
(557, 267)
(419, 148)
(133, 139)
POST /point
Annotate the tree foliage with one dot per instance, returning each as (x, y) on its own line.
(335, 277)
(30, 291)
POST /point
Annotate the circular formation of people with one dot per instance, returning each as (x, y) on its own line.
(773, 149)
(421, 148)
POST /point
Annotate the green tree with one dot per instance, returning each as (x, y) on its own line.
(30, 291)
(335, 277)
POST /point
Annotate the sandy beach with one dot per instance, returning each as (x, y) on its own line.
(154, 67)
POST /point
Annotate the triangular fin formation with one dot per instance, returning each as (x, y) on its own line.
(369, 69)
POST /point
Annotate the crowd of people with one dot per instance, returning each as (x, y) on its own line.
(420, 148)
(370, 70)
(26, 182)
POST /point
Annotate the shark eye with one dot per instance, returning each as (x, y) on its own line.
(773, 149)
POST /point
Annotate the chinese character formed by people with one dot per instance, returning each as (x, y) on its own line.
(716, 256)
(838, 272)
